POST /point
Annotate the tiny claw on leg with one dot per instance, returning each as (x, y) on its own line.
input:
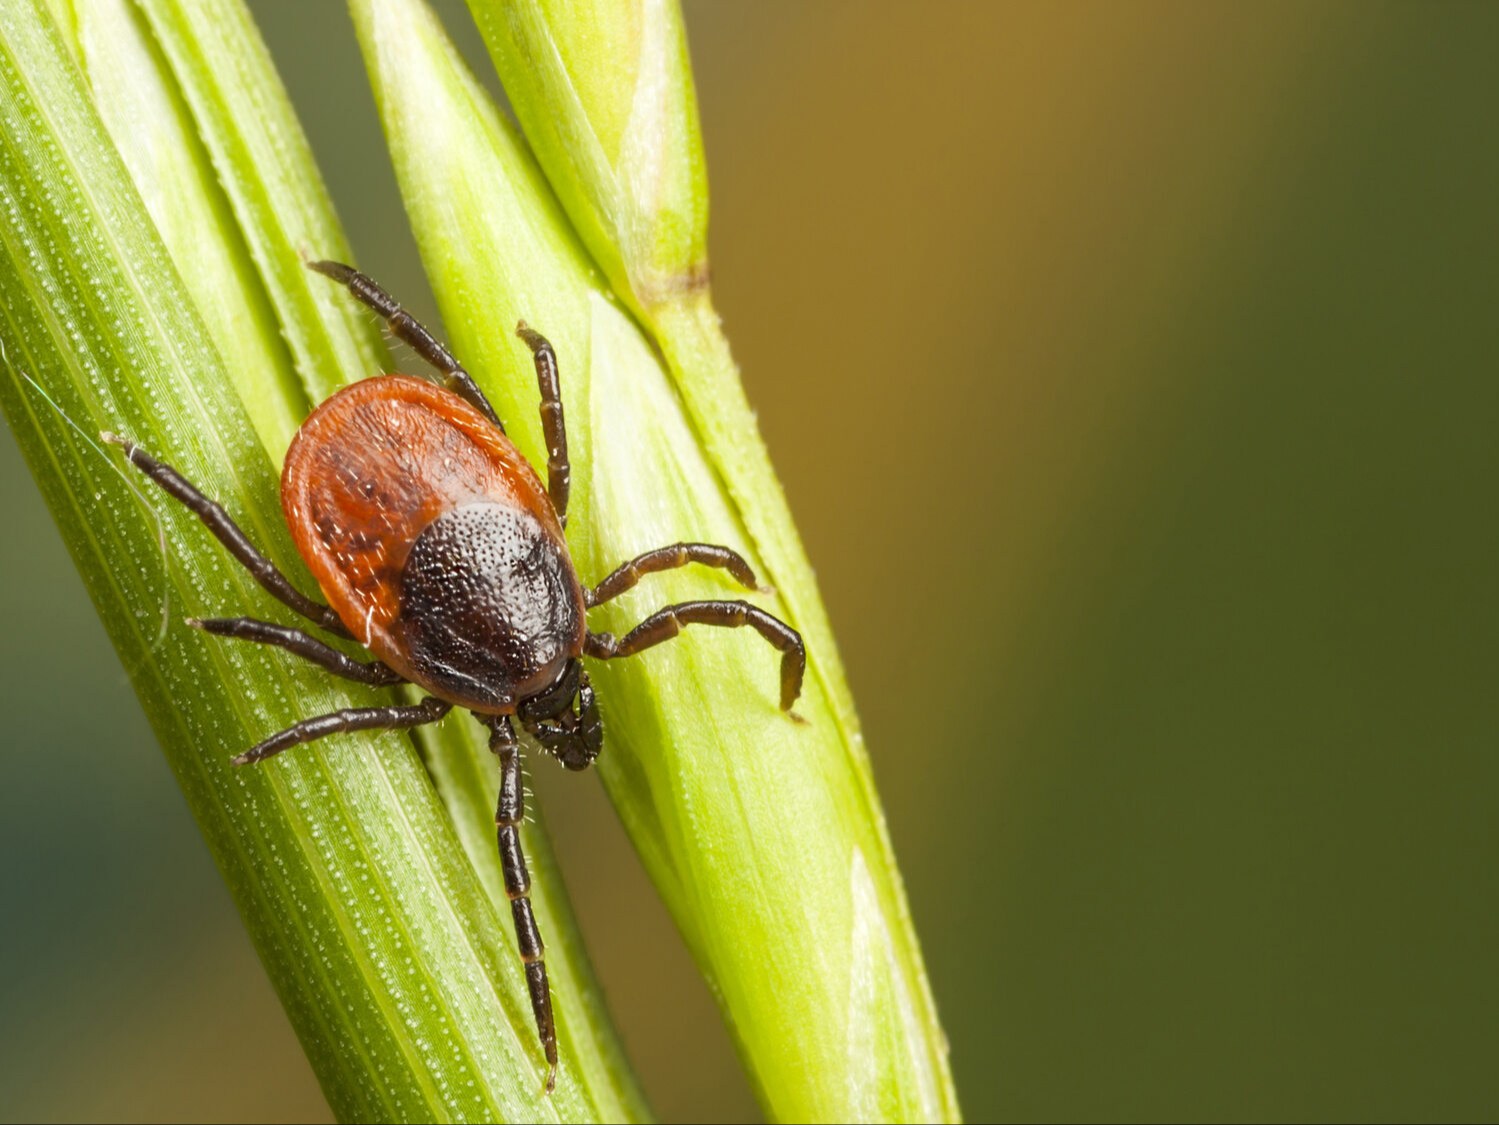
(550, 1084)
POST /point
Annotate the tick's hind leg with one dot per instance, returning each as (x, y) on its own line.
(227, 532)
(509, 813)
(669, 558)
(667, 623)
(406, 327)
(559, 469)
(302, 644)
(427, 711)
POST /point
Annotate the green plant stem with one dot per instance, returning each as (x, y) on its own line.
(764, 836)
(379, 918)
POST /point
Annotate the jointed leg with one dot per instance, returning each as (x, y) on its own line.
(669, 558)
(302, 644)
(667, 623)
(509, 813)
(406, 327)
(559, 471)
(573, 737)
(227, 532)
(427, 711)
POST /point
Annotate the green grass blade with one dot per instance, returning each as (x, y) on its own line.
(251, 133)
(764, 837)
(625, 157)
(223, 69)
(156, 137)
(608, 105)
(392, 954)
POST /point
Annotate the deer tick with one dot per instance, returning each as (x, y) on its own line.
(437, 549)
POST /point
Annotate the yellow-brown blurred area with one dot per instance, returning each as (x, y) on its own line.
(1132, 372)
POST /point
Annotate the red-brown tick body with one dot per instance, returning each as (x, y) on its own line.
(439, 550)
(434, 542)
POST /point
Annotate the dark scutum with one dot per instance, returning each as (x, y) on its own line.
(488, 614)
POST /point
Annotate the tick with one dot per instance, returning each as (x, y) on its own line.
(437, 549)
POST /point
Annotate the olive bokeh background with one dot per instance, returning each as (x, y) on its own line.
(1132, 372)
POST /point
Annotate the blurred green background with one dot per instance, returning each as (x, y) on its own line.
(1133, 371)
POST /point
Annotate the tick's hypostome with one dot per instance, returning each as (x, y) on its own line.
(439, 550)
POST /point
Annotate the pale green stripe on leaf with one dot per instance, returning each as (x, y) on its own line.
(608, 104)
(252, 136)
(156, 137)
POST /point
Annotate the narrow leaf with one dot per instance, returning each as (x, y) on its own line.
(763, 835)
(608, 104)
(251, 133)
(156, 137)
(392, 954)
